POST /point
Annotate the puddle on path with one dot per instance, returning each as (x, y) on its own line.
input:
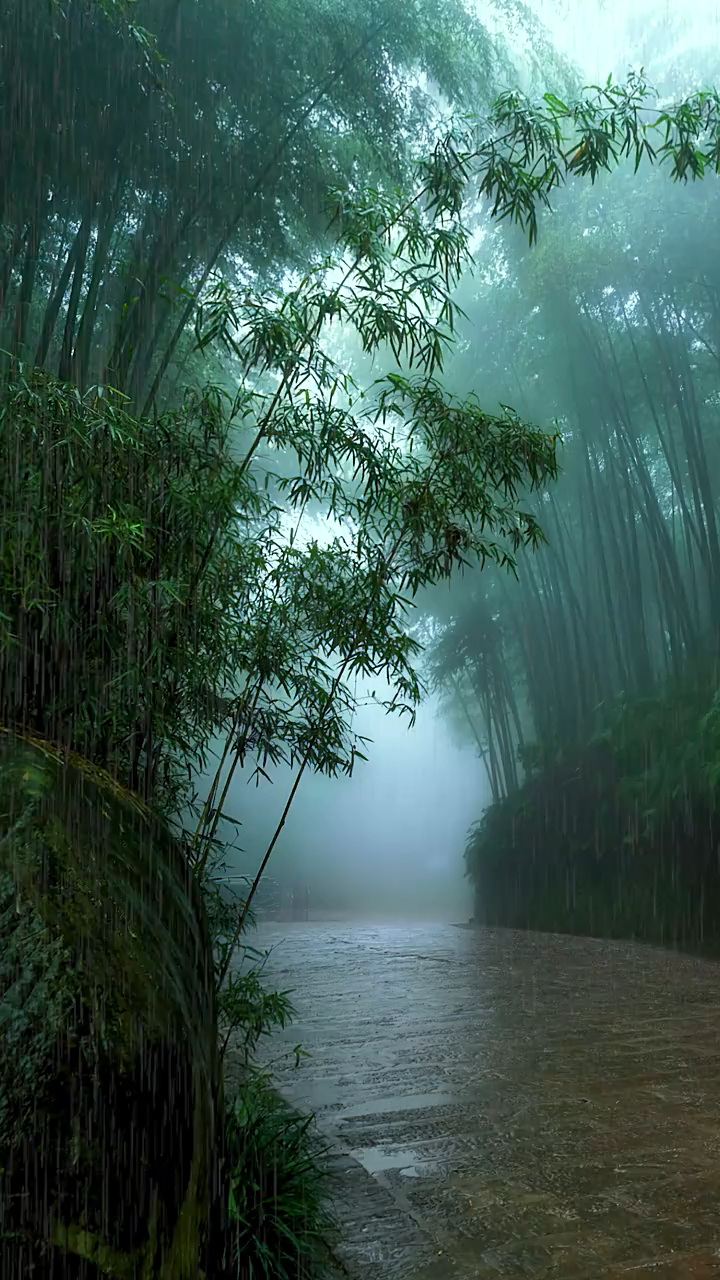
(379, 1160)
(402, 1102)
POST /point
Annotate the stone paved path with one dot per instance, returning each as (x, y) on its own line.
(508, 1105)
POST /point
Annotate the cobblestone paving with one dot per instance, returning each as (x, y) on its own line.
(508, 1105)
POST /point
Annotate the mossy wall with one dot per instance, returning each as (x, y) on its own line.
(109, 1078)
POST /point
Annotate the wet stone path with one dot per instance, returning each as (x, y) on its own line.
(508, 1105)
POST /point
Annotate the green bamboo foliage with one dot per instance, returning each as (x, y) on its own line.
(612, 327)
(146, 147)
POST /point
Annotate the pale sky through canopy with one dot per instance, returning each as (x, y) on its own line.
(593, 32)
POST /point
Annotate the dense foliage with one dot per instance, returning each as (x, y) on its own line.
(146, 146)
(280, 1225)
(107, 529)
(619, 835)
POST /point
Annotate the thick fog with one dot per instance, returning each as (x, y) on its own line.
(387, 842)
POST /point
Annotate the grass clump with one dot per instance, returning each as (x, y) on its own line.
(279, 1226)
(276, 1224)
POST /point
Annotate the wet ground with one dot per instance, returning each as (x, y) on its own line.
(508, 1105)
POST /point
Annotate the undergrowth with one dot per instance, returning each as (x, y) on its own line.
(618, 835)
(277, 1223)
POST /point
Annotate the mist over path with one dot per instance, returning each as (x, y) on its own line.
(505, 1104)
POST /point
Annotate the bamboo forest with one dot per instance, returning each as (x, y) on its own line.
(359, 640)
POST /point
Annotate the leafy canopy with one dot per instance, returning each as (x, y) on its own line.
(134, 164)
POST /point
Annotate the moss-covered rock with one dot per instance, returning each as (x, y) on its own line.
(108, 1041)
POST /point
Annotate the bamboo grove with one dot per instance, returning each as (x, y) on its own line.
(137, 161)
(590, 683)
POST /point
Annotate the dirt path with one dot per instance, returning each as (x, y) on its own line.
(509, 1105)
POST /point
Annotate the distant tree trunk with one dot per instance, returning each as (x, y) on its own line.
(52, 310)
(27, 282)
(65, 366)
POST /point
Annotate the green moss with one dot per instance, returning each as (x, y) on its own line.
(109, 1069)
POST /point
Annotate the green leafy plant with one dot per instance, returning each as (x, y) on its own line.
(279, 1224)
(247, 1011)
